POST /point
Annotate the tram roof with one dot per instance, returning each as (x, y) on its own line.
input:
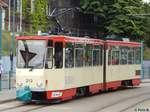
(123, 43)
(62, 38)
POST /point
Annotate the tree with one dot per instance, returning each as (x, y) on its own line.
(115, 14)
(38, 18)
(147, 24)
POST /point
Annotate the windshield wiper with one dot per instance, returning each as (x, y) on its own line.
(37, 65)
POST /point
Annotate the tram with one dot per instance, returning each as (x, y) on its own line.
(59, 68)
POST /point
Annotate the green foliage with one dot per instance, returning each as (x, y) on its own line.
(147, 25)
(38, 18)
(26, 10)
(115, 14)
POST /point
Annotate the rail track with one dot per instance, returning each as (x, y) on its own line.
(129, 107)
(11, 104)
(15, 106)
(110, 105)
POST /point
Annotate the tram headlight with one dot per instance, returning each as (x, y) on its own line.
(19, 85)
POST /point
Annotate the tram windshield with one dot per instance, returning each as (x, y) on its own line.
(31, 53)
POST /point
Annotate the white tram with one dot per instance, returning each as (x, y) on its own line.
(58, 68)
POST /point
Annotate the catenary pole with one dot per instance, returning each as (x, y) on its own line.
(0, 44)
(9, 14)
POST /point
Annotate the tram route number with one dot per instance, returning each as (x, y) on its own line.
(29, 80)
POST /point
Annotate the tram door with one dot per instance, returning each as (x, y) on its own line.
(49, 56)
(58, 55)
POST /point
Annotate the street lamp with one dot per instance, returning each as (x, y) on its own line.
(12, 44)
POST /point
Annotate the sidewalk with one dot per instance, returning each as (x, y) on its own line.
(145, 80)
(7, 95)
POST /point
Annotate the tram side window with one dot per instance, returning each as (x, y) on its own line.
(109, 57)
(97, 56)
(79, 56)
(69, 55)
(137, 55)
(58, 54)
(131, 56)
(124, 55)
(49, 58)
(88, 55)
(115, 57)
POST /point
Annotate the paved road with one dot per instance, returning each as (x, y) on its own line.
(129, 100)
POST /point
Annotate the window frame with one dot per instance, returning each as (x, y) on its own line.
(49, 58)
(73, 56)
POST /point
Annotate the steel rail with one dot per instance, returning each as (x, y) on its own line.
(122, 100)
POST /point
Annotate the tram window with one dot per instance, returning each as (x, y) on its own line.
(109, 57)
(115, 57)
(50, 43)
(31, 54)
(101, 55)
(137, 55)
(69, 55)
(79, 57)
(88, 55)
(97, 55)
(124, 55)
(131, 56)
(49, 58)
(58, 55)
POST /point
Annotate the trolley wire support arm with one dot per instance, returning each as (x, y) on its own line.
(53, 17)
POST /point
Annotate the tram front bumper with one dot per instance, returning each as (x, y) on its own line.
(24, 94)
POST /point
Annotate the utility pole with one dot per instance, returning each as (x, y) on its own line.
(13, 34)
(12, 44)
(0, 44)
(142, 59)
(20, 15)
(9, 14)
